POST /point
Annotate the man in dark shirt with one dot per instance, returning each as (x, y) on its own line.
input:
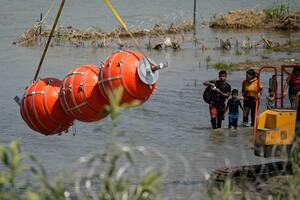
(219, 93)
(233, 105)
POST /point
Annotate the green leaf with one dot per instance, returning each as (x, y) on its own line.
(15, 153)
(152, 179)
(23, 168)
(133, 103)
(15, 160)
(32, 196)
(4, 156)
(4, 178)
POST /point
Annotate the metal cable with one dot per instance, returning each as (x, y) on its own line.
(49, 39)
(123, 24)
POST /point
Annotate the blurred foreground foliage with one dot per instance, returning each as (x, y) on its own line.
(109, 183)
(104, 175)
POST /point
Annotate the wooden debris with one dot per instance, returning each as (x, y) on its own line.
(252, 172)
(77, 38)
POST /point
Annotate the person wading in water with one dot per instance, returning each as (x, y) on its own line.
(220, 91)
(250, 88)
(293, 83)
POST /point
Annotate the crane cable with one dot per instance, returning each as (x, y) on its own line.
(49, 40)
(118, 17)
(123, 24)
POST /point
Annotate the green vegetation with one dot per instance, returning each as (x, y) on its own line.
(225, 66)
(238, 53)
(110, 179)
(276, 17)
(112, 182)
(207, 60)
(254, 64)
(289, 46)
(277, 10)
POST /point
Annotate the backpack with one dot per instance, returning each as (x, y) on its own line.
(207, 96)
(295, 80)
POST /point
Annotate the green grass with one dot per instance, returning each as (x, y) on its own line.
(289, 46)
(238, 53)
(277, 10)
(208, 59)
(224, 66)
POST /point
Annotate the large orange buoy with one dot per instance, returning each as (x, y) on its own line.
(80, 95)
(41, 109)
(130, 70)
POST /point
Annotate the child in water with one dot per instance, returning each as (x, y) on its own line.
(233, 105)
(272, 88)
(271, 100)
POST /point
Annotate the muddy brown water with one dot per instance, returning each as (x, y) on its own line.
(175, 120)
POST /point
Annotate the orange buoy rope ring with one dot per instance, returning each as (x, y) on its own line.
(41, 109)
(130, 70)
(80, 96)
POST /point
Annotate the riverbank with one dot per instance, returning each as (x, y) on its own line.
(254, 64)
(272, 18)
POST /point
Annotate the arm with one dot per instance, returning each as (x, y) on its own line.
(286, 84)
(241, 106)
(260, 90)
(271, 98)
(209, 83)
(226, 93)
(227, 105)
(243, 89)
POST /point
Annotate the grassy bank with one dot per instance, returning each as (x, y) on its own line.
(276, 17)
(248, 64)
(289, 46)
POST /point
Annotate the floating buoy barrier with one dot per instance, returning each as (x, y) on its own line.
(49, 105)
(80, 96)
(130, 70)
(41, 108)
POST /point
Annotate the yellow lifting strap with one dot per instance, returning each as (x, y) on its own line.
(113, 10)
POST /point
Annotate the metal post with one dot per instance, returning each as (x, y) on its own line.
(194, 19)
(282, 88)
(41, 18)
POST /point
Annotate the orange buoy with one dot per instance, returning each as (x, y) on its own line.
(80, 95)
(130, 70)
(41, 109)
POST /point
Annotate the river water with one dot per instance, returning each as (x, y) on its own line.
(175, 120)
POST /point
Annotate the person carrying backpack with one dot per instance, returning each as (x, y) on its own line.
(219, 92)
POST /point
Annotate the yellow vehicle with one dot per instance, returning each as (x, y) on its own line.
(275, 130)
